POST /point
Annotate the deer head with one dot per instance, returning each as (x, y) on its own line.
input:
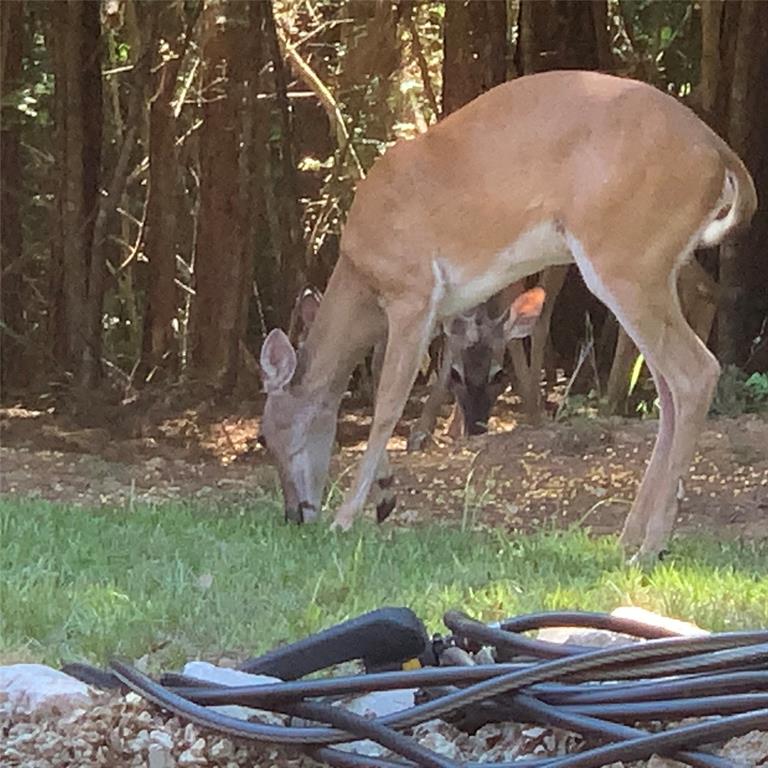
(297, 428)
(476, 342)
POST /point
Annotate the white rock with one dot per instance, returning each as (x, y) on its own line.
(600, 638)
(371, 705)
(380, 703)
(161, 739)
(212, 673)
(203, 670)
(38, 689)
(684, 628)
(159, 756)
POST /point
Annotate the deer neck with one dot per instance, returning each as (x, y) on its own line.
(348, 322)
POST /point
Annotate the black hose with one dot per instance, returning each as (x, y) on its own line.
(538, 712)
(564, 691)
(370, 729)
(264, 695)
(509, 642)
(750, 657)
(551, 670)
(708, 732)
(603, 621)
(678, 708)
(651, 690)
(516, 679)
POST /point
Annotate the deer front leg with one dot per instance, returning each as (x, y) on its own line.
(438, 394)
(408, 336)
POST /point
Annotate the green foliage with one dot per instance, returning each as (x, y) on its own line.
(575, 406)
(635, 375)
(192, 580)
(739, 393)
(666, 35)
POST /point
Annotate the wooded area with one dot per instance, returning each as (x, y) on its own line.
(175, 172)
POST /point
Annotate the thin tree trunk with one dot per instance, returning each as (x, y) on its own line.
(561, 34)
(475, 46)
(711, 22)
(292, 275)
(220, 257)
(159, 339)
(77, 289)
(743, 119)
(13, 372)
(554, 34)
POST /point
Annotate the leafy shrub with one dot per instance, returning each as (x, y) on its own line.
(738, 393)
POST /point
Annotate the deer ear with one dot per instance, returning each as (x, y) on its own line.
(524, 313)
(278, 361)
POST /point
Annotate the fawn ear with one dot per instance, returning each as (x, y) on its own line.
(308, 306)
(278, 361)
(524, 313)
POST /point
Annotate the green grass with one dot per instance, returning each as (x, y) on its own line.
(180, 581)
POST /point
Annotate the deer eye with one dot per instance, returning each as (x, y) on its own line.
(495, 374)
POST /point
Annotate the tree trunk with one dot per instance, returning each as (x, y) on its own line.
(292, 273)
(475, 48)
(160, 347)
(555, 34)
(13, 372)
(743, 120)
(216, 325)
(562, 34)
(77, 285)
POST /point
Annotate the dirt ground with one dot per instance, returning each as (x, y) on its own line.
(518, 477)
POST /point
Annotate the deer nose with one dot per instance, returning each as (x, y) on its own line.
(294, 515)
(305, 512)
(478, 428)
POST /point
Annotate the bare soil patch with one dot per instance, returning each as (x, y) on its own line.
(518, 477)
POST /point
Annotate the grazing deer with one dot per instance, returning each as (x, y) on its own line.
(552, 168)
(472, 361)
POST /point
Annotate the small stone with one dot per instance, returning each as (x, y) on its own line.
(161, 739)
(194, 755)
(159, 756)
(221, 749)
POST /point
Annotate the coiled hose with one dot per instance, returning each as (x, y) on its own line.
(601, 694)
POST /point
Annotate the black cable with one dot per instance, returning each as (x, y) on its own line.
(604, 621)
(509, 642)
(589, 707)
(676, 708)
(529, 707)
(363, 728)
(263, 695)
(651, 690)
(551, 670)
(708, 732)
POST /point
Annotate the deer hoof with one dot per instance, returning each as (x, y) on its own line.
(647, 560)
(416, 441)
(384, 508)
(342, 523)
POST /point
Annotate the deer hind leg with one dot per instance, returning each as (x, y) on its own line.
(407, 340)
(685, 373)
